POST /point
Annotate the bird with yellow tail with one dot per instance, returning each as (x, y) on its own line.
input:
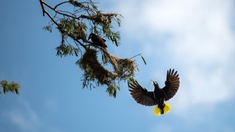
(159, 95)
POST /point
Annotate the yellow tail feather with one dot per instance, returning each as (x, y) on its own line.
(166, 109)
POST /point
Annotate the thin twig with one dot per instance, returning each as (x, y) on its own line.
(135, 56)
(60, 4)
(59, 12)
(51, 18)
(41, 3)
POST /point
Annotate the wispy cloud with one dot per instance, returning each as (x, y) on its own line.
(24, 118)
(201, 44)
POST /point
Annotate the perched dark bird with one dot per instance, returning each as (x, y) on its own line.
(158, 96)
(97, 40)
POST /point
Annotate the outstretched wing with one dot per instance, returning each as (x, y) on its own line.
(171, 84)
(140, 94)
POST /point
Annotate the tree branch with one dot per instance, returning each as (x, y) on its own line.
(75, 25)
(60, 4)
(43, 10)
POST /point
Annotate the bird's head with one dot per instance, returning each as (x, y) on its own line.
(91, 35)
(155, 85)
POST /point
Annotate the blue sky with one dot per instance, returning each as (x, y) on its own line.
(195, 37)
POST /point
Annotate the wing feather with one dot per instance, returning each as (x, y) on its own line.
(171, 84)
(141, 95)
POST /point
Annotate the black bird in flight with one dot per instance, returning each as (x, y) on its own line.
(158, 96)
(97, 40)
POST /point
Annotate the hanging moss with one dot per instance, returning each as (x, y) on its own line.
(125, 68)
(94, 69)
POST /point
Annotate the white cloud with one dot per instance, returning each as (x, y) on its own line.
(201, 44)
(24, 122)
(28, 119)
(51, 105)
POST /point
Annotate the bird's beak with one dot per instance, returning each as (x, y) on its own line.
(154, 82)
